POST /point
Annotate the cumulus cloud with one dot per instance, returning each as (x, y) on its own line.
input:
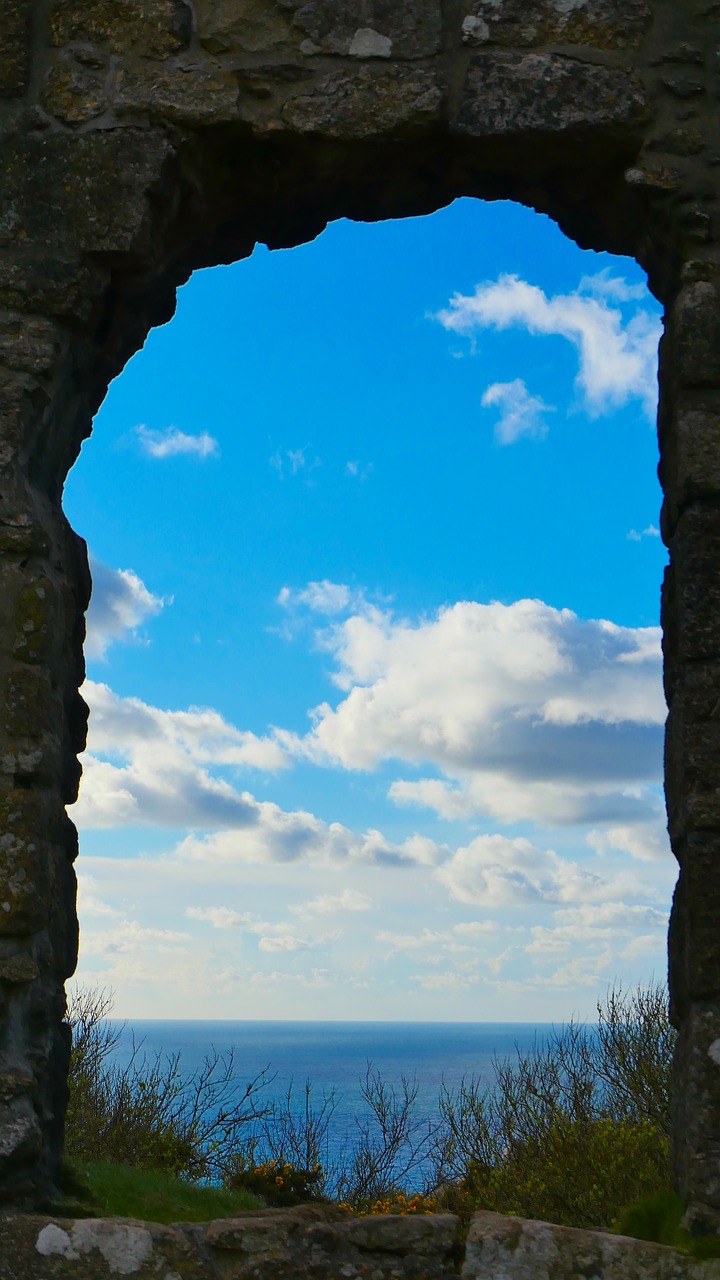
(274, 835)
(171, 443)
(528, 712)
(119, 605)
(593, 925)
(145, 765)
(494, 871)
(520, 413)
(617, 355)
(645, 841)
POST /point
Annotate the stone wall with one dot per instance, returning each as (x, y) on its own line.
(318, 1244)
(140, 139)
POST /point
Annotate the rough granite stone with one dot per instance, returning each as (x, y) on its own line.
(346, 27)
(15, 27)
(149, 28)
(606, 24)
(364, 102)
(243, 27)
(517, 94)
(256, 1247)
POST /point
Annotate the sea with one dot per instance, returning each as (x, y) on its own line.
(335, 1057)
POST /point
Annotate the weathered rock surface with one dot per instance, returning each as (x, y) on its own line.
(322, 1244)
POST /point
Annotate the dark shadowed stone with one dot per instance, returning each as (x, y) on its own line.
(92, 190)
(695, 953)
(186, 95)
(608, 24)
(14, 47)
(243, 26)
(362, 102)
(696, 584)
(506, 94)
(369, 28)
(74, 93)
(150, 28)
(695, 326)
(29, 344)
(25, 874)
(434, 1234)
(697, 1108)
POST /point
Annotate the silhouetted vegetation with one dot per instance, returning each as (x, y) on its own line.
(572, 1131)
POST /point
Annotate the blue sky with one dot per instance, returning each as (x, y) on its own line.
(373, 655)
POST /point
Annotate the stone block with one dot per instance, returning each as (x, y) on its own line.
(23, 399)
(15, 17)
(90, 192)
(694, 327)
(25, 866)
(18, 967)
(35, 613)
(149, 28)
(363, 103)
(55, 286)
(691, 604)
(185, 96)
(75, 94)
(242, 26)
(690, 465)
(696, 1114)
(504, 1248)
(32, 707)
(30, 344)
(694, 942)
(604, 24)
(369, 28)
(692, 752)
(508, 94)
(434, 1235)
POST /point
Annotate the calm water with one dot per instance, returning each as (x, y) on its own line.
(334, 1055)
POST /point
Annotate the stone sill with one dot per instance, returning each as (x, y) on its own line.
(318, 1243)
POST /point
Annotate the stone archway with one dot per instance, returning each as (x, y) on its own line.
(144, 138)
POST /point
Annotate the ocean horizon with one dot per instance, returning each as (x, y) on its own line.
(334, 1056)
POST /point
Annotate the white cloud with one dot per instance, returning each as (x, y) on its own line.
(650, 532)
(494, 871)
(645, 841)
(294, 461)
(521, 414)
(617, 356)
(330, 903)
(220, 917)
(129, 937)
(284, 942)
(605, 285)
(528, 712)
(592, 925)
(171, 442)
(157, 765)
(274, 835)
(119, 604)
(321, 597)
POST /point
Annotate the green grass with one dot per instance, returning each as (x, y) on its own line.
(119, 1191)
(658, 1218)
